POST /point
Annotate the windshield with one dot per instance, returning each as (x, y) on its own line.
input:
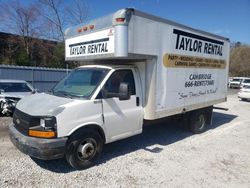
(80, 83)
(236, 80)
(247, 81)
(246, 87)
(14, 87)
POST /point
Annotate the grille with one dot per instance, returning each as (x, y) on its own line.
(23, 121)
(13, 98)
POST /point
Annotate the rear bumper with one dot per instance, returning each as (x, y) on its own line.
(40, 148)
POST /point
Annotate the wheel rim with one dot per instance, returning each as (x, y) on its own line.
(201, 121)
(86, 149)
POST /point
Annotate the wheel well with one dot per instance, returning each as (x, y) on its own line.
(207, 111)
(96, 128)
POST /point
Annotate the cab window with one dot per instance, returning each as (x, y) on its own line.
(113, 83)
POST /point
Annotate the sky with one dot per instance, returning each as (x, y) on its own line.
(228, 18)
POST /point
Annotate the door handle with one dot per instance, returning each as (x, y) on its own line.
(137, 101)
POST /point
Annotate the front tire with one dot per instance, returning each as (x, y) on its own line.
(1, 108)
(83, 149)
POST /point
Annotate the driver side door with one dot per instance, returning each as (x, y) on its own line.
(122, 118)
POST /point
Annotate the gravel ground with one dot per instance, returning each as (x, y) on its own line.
(163, 156)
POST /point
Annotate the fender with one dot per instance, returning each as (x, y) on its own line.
(92, 125)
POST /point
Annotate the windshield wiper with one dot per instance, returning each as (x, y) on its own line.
(63, 93)
(50, 92)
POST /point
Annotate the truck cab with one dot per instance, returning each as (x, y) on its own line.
(99, 101)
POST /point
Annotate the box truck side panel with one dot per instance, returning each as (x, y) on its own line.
(144, 37)
(191, 66)
(195, 67)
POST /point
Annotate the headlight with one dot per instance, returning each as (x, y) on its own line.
(2, 99)
(48, 122)
(47, 128)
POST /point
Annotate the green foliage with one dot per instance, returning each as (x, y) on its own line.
(42, 53)
(22, 58)
(57, 60)
(4, 60)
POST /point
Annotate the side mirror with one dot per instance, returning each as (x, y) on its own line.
(106, 94)
(124, 91)
(35, 91)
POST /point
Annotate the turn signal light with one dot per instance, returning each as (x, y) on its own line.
(42, 134)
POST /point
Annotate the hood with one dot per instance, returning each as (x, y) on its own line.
(42, 104)
(15, 94)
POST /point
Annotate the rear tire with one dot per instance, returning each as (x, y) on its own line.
(199, 120)
(83, 149)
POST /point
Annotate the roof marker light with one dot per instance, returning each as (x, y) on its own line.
(120, 19)
(85, 28)
(79, 30)
(91, 27)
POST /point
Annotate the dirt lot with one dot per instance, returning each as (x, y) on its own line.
(163, 156)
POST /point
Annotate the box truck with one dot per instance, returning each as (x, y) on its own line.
(137, 67)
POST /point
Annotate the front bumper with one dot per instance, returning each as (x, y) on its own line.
(237, 86)
(40, 148)
(244, 95)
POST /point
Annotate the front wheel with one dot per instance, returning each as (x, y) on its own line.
(1, 108)
(83, 149)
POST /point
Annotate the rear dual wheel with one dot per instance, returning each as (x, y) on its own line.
(199, 120)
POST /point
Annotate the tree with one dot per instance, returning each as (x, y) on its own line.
(9, 48)
(24, 21)
(60, 15)
(21, 58)
(77, 12)
(32, 25)
(240, 60)
(54, 15)
(58, 56)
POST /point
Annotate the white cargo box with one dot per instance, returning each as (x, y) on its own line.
(181, 68)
